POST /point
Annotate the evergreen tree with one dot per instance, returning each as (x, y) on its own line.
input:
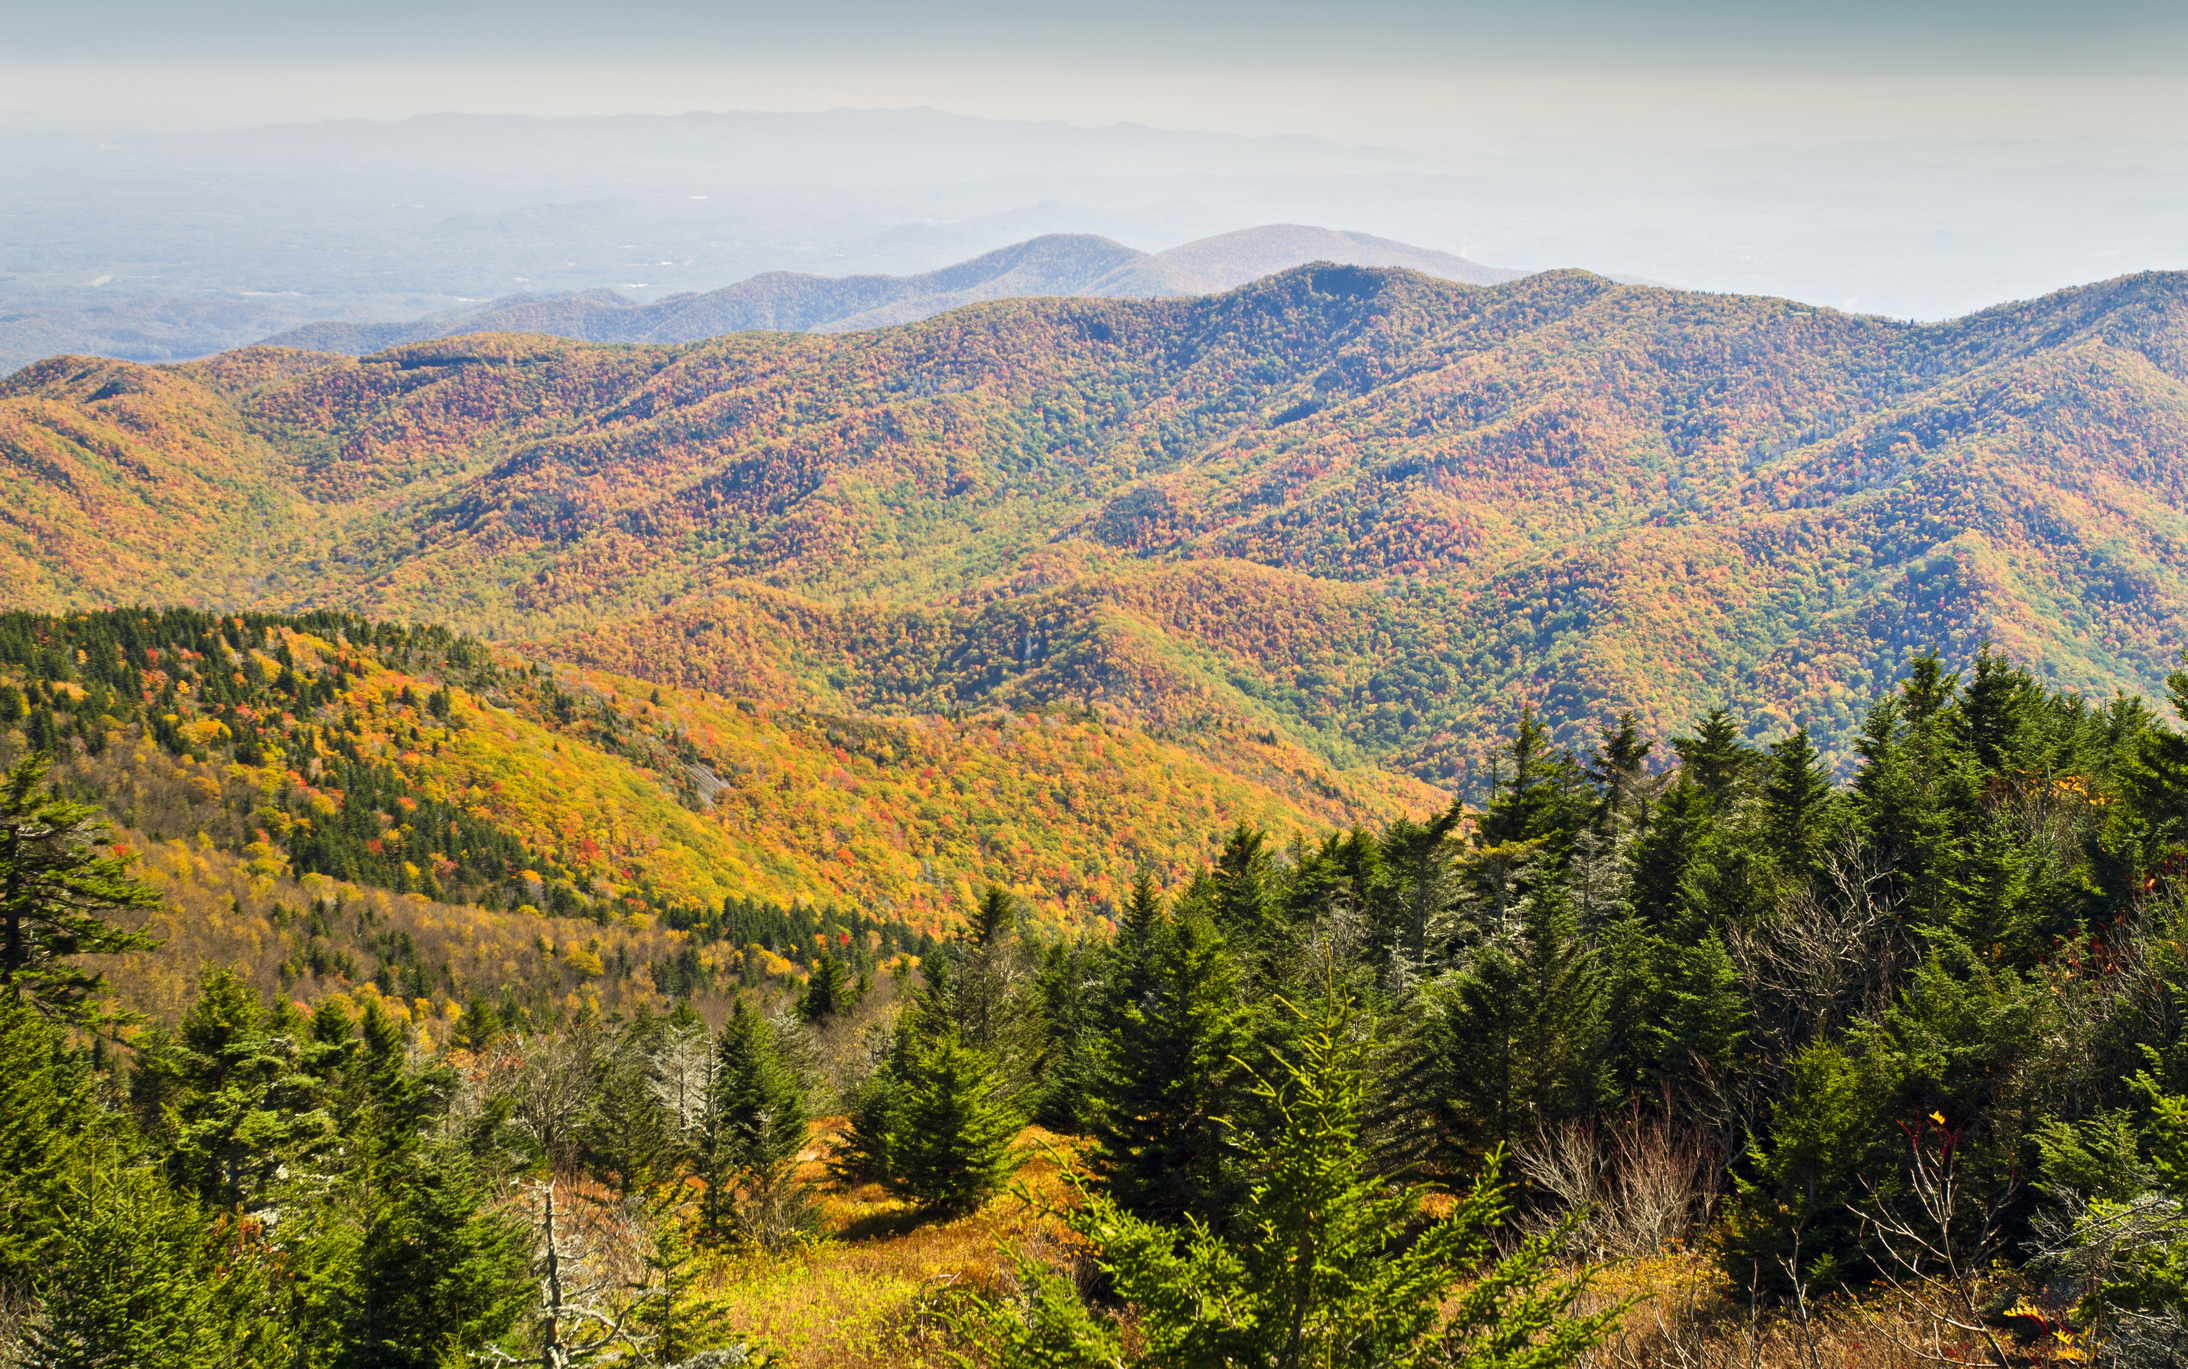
(227, 1093)
(994, 917)
(55, 896)
(1797, 806)
(136, 1276)
(1170, 1074)
(757, 1123)
(1713, 758)
(1239, 893)
(1417, 859)
(1141, 911)
(629, 1138)
(1515, 1035)
(1620, 773)
(1328, 1266)
(1066, 994)
(950, 1149)
(49, 1123)
(827, 993)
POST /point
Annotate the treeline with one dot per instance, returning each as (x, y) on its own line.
(1922, 1030)
(272, 694)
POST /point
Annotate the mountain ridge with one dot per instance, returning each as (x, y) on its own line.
(1049, 265)
(1360, 509)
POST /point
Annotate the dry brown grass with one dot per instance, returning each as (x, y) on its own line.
(862, 1297)
(1691, 1316)
(859, 1297)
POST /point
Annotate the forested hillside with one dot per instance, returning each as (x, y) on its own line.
(1884, 1073)
(1364, 511)
(329, 801)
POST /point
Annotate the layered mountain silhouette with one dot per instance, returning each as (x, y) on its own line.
(788, 301)
(1366, 512)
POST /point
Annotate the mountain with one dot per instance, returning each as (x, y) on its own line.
(1364, 512)
(1228, 260)
(786, 301)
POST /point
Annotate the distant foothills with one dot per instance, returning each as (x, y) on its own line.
(789, 301)
(154, 328)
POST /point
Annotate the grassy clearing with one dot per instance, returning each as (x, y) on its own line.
(863, 1296)
(858, 1298)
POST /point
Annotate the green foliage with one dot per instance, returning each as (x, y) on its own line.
(49, 1124)
(136, 1276)
(951, 1133)
(1169, 1074)
(756, 1124)
(56, 894)
(1329, 1266)
(1512, 1042)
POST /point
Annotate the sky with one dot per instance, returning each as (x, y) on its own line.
(1430, 76)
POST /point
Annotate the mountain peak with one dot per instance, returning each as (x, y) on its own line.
(1051, 264)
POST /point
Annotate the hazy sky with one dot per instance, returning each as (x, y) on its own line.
(1430, 75)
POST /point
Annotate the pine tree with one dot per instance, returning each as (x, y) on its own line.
(951, 1147)
(1238, 893)
(1169, 1073)
(827, 992)
(1066, 995)
(1329, 1265)
(48, 1123)
(757, 1124)
(1515, 1035)
(1797, 804)
(137, 1276)
(228, 1095)
(1418, 859)
(1141, 911)
(629, 1138)
(1619, 770)
(55, 897)
(1713, 758)
(994, 917)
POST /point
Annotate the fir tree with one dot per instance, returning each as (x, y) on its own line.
(950, 1149)
(48, 1124)
(136, 1276)
(1713, 759)
(1797, 805)
(1619, 770)
(1170, 1074)
(1328, 1265)
(227, 1094)
(757, 1124)
(1515, 1040)
(827, 993)
(56, 894)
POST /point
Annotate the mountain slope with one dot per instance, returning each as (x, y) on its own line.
(338, 748)
(787, 301)
(1359, 509)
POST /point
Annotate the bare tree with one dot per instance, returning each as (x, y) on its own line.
(1830, 955)
(1637, 1183)
(683, 1069)
(588, 1249)
(1934, 1252)
(2083, 1244)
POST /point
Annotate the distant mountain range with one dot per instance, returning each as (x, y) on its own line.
(1357, 509)
(787, 301)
